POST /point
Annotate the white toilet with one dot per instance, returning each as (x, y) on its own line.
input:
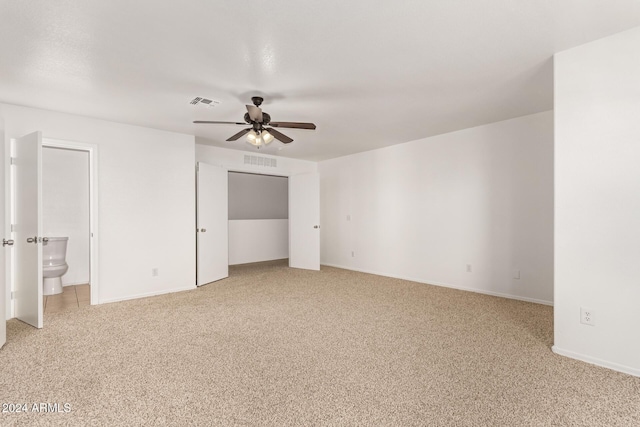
(54, 264)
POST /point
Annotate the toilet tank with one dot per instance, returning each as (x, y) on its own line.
(54, 251)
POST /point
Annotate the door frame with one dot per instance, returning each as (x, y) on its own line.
(94, 235)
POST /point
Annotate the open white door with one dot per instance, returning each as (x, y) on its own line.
(6, 243)
(212, 224)
(28, 229)
(304, 221)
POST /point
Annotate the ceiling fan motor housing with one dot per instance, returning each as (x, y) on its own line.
(266, 119)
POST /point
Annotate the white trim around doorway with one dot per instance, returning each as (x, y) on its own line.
(94, 235)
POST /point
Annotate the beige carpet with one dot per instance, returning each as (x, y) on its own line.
(274, 346)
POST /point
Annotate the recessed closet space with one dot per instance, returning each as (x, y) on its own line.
(66, 221)
(258, 218)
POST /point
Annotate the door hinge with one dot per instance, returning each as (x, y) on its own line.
(12, 160)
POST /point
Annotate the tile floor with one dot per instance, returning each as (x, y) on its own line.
(72, 297)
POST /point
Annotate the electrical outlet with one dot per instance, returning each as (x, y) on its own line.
(587, 316)
(348, 217)
(468, 268)
(516, 274)
(353, 254)
(154, 271)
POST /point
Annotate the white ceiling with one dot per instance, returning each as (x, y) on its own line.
(369, 74)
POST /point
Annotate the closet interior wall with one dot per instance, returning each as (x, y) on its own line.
(258, 218)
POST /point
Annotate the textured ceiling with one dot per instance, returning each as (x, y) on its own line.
(369, 74)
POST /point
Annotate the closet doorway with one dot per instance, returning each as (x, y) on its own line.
(258, 217)
(261, 235)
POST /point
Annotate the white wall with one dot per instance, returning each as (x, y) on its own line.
(597, 208)
(65, 207)
(258, 240)
(146, 199)
(423, 210)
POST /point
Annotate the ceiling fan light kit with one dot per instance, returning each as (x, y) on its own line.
(257, 134)
(258, 139)
(267, 137)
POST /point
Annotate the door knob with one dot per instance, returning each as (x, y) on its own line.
(204, 230)
(31, 239)
(316, 226)
(6, 242)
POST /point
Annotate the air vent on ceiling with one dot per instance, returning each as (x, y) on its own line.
(198, 100)
(260, 161)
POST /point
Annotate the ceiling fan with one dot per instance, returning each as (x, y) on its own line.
(258, 134)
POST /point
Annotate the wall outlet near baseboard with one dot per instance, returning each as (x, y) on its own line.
(587, 316)
(154, 271)
(468, 268)
(516, 274)
(353, 254)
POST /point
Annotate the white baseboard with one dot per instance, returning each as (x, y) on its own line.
(445, 285)
(262, 260)
(75, 283)
(147, 294)
(595, 361)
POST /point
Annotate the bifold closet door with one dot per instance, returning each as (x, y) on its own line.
(212, 225)
(28, 229)
(304, 221)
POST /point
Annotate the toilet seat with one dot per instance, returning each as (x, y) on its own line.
(44, 265)
(54, 270)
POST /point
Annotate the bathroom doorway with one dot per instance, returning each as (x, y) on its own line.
(80, 285)
(66, 225)
(26, 212)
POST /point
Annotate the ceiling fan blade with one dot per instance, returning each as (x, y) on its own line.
(255, 113)
(239, 134)
(293, 125)
(279, 136)
(218, 123)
